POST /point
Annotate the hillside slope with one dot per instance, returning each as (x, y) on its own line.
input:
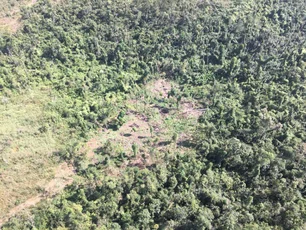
(192, 112)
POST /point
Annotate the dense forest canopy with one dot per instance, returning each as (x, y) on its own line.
(242, 61)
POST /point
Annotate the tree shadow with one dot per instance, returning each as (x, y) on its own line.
(162, 109)
(186, 144)
(164, 143)
(127, 134)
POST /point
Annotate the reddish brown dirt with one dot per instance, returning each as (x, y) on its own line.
(188, 110)
(10, 24)
(135, 130)
(161, 88)
(90, 146)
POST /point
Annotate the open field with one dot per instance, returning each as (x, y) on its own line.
(27, 147)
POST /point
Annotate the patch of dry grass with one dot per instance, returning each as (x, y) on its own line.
(26, 147)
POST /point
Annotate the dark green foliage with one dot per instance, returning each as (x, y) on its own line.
(244, 62)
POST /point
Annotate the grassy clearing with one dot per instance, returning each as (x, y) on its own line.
(10, 14)
(27, 145)
(153, 124)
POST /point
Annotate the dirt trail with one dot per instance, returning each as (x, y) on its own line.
(62, 178)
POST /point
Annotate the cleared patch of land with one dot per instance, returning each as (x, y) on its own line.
(63, 177)
(10, 14)
(154, 124)
(27, 147)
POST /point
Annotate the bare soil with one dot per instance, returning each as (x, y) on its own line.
(10, 24)
(160, 88)
(188, 109)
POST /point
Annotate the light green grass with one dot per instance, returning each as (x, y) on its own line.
(26, 147)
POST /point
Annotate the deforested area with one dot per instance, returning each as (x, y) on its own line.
(172, 114)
